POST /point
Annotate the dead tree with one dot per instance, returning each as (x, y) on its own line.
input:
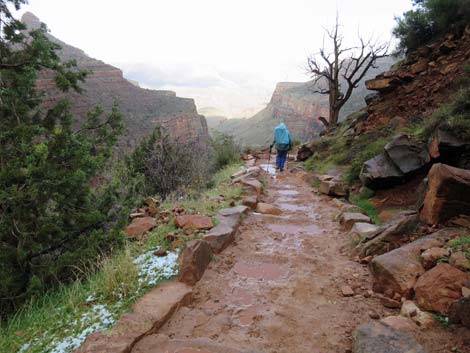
(342, 68)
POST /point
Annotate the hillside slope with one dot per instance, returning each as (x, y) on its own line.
(143, 109)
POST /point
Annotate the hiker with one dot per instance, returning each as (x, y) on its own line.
(283, 145)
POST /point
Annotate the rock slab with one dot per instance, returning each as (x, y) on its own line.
(377, 337)
(140, 226)
(193, 222)
(193, 261)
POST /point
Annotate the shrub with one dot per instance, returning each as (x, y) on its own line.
(165, 166)
(429, 20)
(225, 150)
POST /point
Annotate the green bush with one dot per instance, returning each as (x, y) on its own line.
(225, 150)
(429, 20)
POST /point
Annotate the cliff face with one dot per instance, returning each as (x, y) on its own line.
(143, 109)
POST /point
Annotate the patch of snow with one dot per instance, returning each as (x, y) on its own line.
(153, 268)
(268, 168)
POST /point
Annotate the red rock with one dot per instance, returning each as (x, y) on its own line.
(149, 313)
(193, 221)
(430, 256)
(250, 201)
(459, 260)
(347, 291)
(266, 208)
(160, 252)
(139, 226)
(390, 303)
(437, 289)
(193, 260)
(400, 323)
(254, 184)
(448, 194)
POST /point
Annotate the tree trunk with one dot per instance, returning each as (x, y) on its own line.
(334, 116)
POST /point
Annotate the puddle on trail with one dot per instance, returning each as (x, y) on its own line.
(288, 192)
(266, 271)
(269, 168)
(293, 207)
(293, 229)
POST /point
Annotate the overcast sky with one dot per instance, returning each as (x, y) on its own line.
(226, 54)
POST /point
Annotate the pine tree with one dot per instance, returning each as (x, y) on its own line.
(51, 218)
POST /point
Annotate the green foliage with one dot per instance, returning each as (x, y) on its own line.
(334, 150)
(52, 221)
(225, 150)
(368, 207)
(463, 244)
(429, 20)
(453, 116)
(442, 319)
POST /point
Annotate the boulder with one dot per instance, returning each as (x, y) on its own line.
(140, 226)
(420, 66)
(237, 210)
(447, 195)
(362, 230)
(193, 222)
(333, 188)
(438, 289)
(193, 260)
(382, 84)
(445, 146)
(398, 270)
(220, 237)
(348, 219)
(406, 154)
(380, 172)
(410, 310)
(400, 323)
(389, 236)
(459, 260)
(378, 337)
(304, 153)
(430, 257)
(254, 184)
(460, 312)
(250, 201)
(267, 208)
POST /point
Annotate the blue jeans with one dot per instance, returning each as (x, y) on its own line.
(281, 158)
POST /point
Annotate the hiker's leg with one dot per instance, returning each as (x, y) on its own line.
(283, 159)
(278, 159)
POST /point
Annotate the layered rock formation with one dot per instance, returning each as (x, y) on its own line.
(296, 104)
(143, 109)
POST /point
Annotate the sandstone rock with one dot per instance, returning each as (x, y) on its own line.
(400, 323)
(389, 302)
(254, 184)
(250, 201)
(347, 291)
(406, 154)
(193, 222)
(304, 153)
(137, 215)
(437, 289)
(149, 313)
(348, 219)
(399, 269)
(333, 188)
(390, 235)
(140, 226)
(448, 194)
(160, 252)
(445, 146)
(382, 84)
(220, 237)
(409, 309)
(460, 311)
(430, 256)
(459, 260)
(377, 337)
(380, 172)
(388, 214)
(465, 291)
(419, 66)
(152, 205)
(362, 230)
(267, 208)
(193, 260)
(237, 210)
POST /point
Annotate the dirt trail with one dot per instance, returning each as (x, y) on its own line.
(277, 289)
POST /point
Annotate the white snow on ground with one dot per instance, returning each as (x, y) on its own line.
(152, 269)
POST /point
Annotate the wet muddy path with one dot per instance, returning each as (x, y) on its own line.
(277, 288)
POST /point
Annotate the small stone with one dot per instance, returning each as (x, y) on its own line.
(266, 208)
(373, 315)
(347, 291)
(390, 303)
(465, 292)
(160, 252)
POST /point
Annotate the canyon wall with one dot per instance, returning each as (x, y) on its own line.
(143, 109)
